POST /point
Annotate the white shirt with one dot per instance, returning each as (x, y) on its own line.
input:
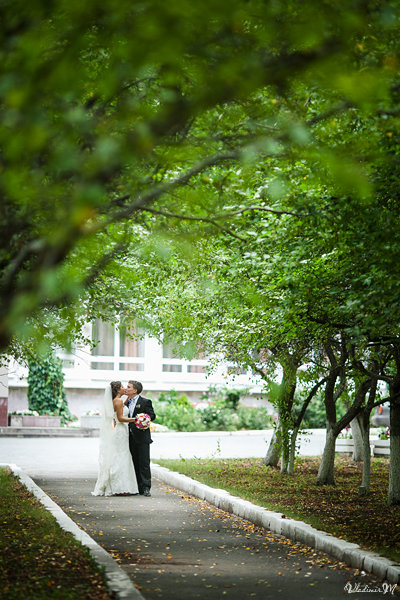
(132, 405)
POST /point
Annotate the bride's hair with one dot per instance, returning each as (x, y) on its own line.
(115, 386)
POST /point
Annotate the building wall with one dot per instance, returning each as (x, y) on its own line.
(87, 372)
(81, 400)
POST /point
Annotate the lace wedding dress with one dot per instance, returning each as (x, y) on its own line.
(116, 471)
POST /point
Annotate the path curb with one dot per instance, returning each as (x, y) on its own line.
(117, 580)
(347, 552)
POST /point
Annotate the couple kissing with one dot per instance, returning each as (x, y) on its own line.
(124, 448)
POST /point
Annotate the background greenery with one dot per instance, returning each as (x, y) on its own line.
(220, 411)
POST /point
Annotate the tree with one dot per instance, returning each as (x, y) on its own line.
(276, 128)
(107, 113)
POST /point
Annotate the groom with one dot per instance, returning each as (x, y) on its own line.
(140, 439)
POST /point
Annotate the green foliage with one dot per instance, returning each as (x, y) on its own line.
(124, 129)
(176, 412)
(225, 397)
(315, 415)
(232, 398)
(218, 417)
(254, 417)
(172, 397)
(46, 393)
(178, 417)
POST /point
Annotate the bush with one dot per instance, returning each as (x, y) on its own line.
(178, 417)
(221, 414)
(254, 417)
(217, 417)
(176, 412)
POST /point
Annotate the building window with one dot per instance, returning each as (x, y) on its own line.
(103, 335)
(196, 369)
(169, 351)
(131, 367)
(236, 371)
(117, 348)
(130, 346)
(172, 368)
(103, 365)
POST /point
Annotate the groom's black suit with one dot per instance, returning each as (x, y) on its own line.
(139, 444)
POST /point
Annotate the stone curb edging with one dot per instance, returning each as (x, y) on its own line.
(298, 531)
(39, 432)
(117, 580)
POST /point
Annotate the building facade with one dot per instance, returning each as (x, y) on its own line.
(118, 356)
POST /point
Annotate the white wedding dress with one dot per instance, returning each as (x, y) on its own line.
(116, 471)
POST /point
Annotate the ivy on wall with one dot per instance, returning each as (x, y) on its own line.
(46, 392)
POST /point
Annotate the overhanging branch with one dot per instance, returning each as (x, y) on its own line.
(199, 219)
(143, 202)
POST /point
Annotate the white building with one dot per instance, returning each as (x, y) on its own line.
(118, 357)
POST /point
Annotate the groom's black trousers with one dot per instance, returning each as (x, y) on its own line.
(141, 461)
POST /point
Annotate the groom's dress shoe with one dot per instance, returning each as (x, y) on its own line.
(146, 492)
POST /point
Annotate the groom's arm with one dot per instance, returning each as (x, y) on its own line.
(150, 410)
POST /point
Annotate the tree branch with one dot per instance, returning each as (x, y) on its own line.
(307, 401)
(142, 202)
(33, 247)
(261, 209)
(189, 218)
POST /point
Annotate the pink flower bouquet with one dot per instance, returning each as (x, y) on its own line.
(143, 421)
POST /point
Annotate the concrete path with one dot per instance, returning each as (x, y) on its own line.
(176, 547)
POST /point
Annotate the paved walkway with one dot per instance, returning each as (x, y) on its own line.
(176, 547)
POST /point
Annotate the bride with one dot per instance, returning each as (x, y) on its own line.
(116, 473)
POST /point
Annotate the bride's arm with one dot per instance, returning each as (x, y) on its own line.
(118, 407)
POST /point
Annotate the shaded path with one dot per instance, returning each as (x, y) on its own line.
(178, 547)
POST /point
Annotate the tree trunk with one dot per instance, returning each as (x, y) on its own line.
(358, 441)
(292, 451)
(394, 473)
(284, 463)
(326, 472)
(272, 457)
(279, 446)
(285, 403)
(363, 420)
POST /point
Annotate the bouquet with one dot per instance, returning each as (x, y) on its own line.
(143, 421)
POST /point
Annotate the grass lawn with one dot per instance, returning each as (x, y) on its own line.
(37, 558)
(367, 521)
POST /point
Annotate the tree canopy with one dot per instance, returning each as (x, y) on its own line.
(126, 126)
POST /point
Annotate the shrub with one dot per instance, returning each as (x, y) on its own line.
(217, 417)
(220, 414)
(179, 417)
(254, 417)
